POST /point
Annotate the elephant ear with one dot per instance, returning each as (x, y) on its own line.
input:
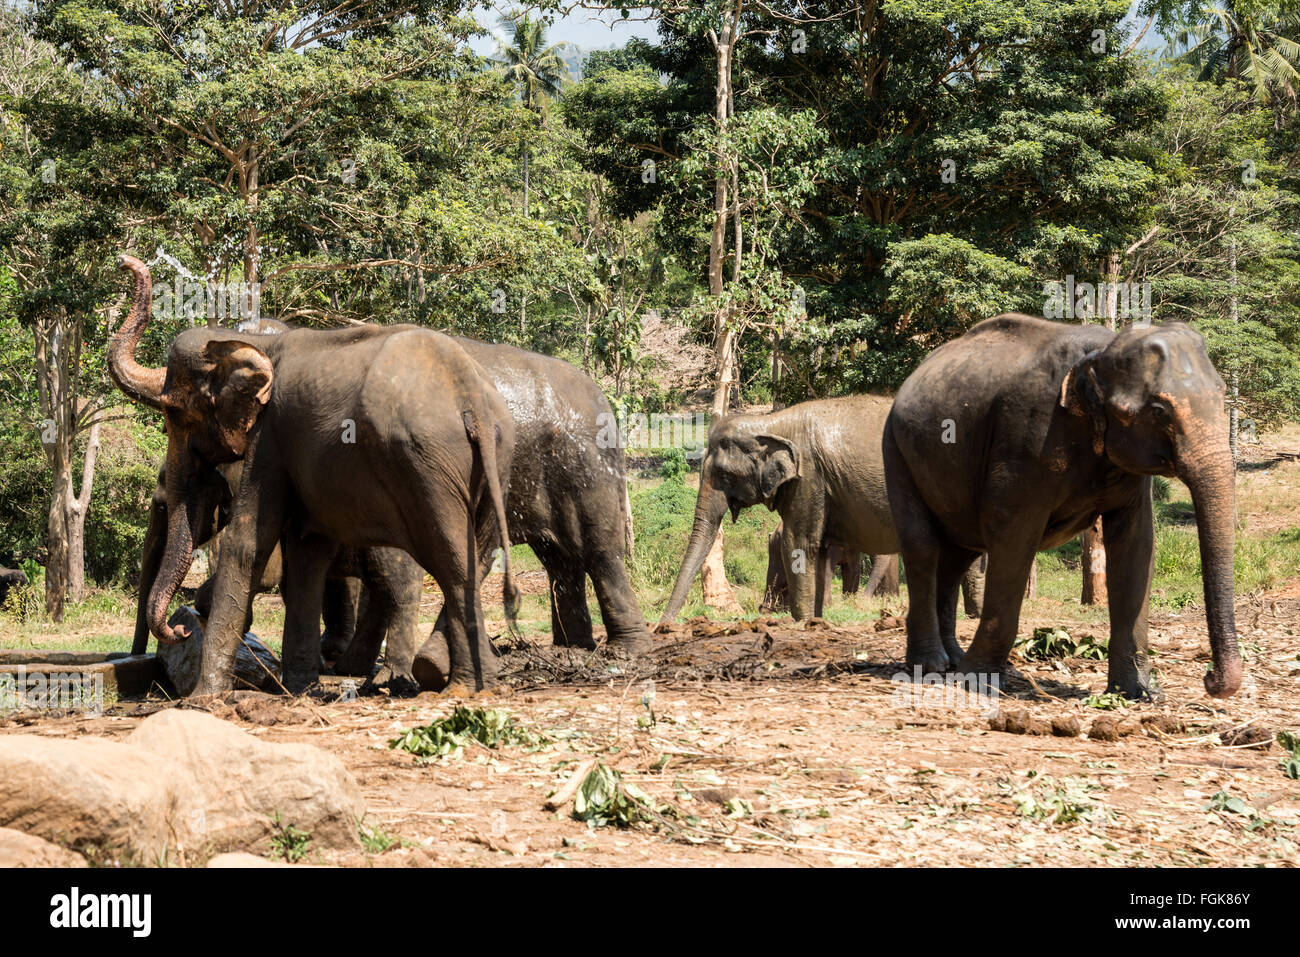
(1081, 394)
(240, 384)
(778, 464)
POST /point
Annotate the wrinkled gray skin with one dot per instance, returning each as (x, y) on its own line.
(815, 463)
(1013, 438)
(369, 436)
(565, 501)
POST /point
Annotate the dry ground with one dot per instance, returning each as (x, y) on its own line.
(773, 743)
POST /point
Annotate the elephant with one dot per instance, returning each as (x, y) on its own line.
(363, 437)
(1015, 437)
(566, 500)
(10, 578)
(815, 463)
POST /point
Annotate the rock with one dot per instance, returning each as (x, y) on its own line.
(23, 850)
(1066, 726)
(244, 783)
(182, 786)
(180, 662)
(88, 793)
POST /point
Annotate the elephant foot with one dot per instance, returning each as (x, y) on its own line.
(431, 668)
(332, 649)
(929, 661)
(397, 685)
(458, 689)
(1135, 687)
(630, 646)
(952, 649)
(299, 681)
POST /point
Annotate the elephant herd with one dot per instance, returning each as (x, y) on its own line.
(344, 464)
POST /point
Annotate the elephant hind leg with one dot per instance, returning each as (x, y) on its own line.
(625, 628)
(953, 563)
(570, 617)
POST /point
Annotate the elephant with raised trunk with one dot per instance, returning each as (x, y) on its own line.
(367, 436)
(818, 465)
(1013, 438)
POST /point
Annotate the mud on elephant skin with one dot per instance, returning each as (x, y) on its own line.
(1050, 425)
(338, 430)
(818, 465)
(566, 500)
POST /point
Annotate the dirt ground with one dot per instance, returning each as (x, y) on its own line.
(777, 744)
(767, 742)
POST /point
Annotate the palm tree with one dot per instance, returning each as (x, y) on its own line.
(537, 71)
(1240, 39)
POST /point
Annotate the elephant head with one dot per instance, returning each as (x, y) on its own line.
(743, 466)
(211, 393)
(1156, 406)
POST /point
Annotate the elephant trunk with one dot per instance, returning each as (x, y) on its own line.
(182, 517)
(1207, 470)
(139, 383)
(710, 507)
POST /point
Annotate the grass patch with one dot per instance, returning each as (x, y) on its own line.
(288, 843)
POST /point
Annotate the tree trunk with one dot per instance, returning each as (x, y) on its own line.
(77, 509)
(56, 542)
(717, 591)
(1031, 587)
(1094, 566)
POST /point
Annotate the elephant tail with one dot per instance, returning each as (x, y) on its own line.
(487, 440)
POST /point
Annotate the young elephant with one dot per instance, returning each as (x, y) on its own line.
(370, 436)
(816, 463)
(1013, 438)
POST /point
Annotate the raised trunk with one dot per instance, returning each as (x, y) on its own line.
(1208, 474)
(138, 382)
(709, 509)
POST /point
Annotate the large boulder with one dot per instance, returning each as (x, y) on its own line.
(23, 850)
(256, 666)
(184, 786)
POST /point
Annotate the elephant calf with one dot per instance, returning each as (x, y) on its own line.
(10, 578)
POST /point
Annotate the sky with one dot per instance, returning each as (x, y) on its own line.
(593, 31)
(587, 29)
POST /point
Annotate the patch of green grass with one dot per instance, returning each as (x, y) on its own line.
(375, 841)
(288, 843)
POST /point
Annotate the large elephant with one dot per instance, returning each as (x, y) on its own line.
(818, 465)
(366, 436)
(1013, 438)
(565, 500)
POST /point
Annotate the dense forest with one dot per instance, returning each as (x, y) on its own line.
(772, 201)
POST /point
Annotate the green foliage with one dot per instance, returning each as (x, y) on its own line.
(288, 843)
(605, 799)
(674, 465)
(1290, 763)
(1056, 643)
(1063, 804)
(1106, 702)
(374, 840)
(449, 736)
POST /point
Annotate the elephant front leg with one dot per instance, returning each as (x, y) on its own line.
(801, 556)
(1004, 592)
(306, 561)
(1130, 560)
